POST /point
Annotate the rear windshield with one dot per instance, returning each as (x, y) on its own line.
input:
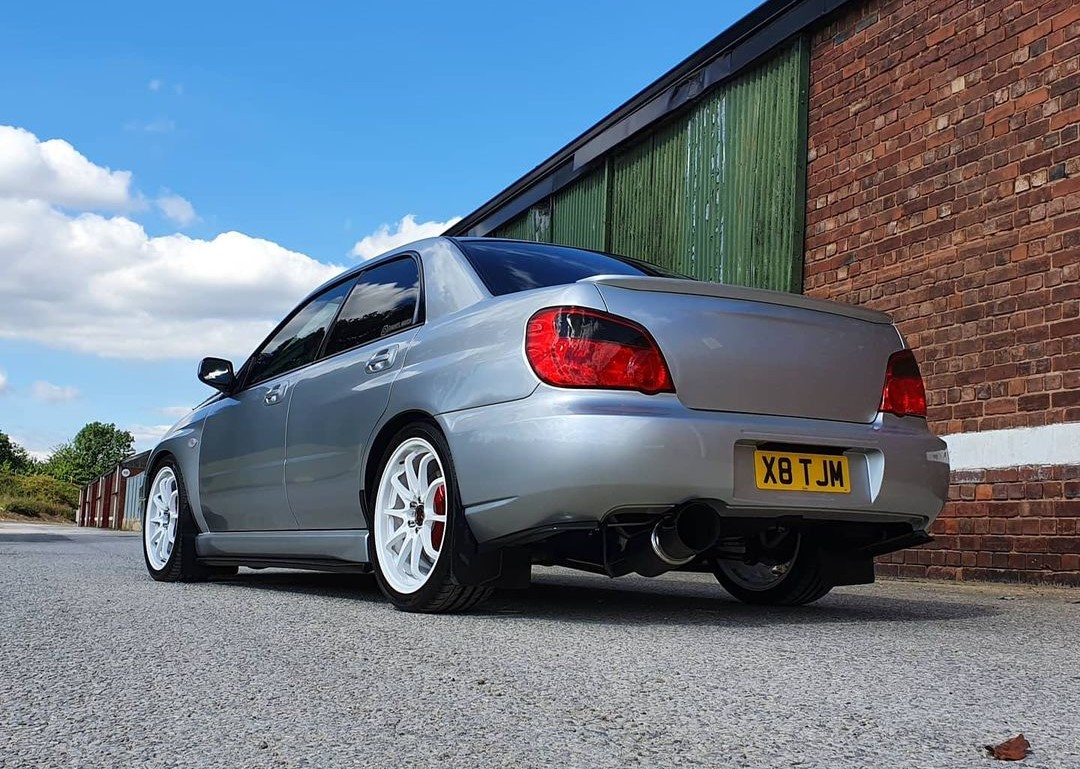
(508, 266)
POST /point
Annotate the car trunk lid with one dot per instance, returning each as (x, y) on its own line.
(762, 352)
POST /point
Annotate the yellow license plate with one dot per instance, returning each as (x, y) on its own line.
(786, 471)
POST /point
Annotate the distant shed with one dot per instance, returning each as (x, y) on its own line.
(112, 501)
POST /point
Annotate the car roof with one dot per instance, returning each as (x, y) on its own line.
(415, 246)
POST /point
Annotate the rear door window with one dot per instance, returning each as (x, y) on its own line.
(385, 300)
(508, 266)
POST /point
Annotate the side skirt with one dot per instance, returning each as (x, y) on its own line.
(289, 563)
(341, 549)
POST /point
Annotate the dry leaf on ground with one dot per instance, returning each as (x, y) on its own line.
(1011, 750)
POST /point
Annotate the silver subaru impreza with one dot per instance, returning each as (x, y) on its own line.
(461, 409)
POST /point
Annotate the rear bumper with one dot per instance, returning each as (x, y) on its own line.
(566, 459)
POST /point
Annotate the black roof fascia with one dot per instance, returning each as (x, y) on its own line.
(734, 49)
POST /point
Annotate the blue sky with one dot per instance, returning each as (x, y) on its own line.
(305, 126)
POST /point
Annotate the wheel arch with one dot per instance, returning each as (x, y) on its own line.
(156, 461)
(179, 450)
(494, 567)
(377, 448)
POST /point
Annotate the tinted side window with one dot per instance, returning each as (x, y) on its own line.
(297, 343)
(384, 301)
(507, 266)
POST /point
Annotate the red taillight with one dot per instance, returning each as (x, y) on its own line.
(903, 393)
(577, 347)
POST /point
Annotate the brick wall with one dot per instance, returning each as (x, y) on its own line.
(944, 188)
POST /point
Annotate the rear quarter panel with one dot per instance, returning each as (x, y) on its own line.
(476, 356)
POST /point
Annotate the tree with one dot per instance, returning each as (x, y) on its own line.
(13, 457)
(95, 450)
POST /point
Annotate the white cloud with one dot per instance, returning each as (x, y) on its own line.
(37, 444)
(406, 231)
(177, 209)
(154, 85)
(50, 393)
(147, 436)
(114, 291)
(54, 172)
(3, 383)
(176, 412)
(101, 285)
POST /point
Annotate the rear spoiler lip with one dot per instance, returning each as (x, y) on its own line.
(723, 291)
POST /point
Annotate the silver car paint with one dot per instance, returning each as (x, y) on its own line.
(342, 545)
(728, 353)
(529, 455)
(241, 465)
(449, 286)
(336, 404)
(561, 457)
(183, 442)
(742, 293)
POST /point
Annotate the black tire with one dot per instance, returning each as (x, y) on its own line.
(440, 594)
(803, 582)
(183, 564)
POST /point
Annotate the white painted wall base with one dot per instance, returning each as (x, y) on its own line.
(1049, 445)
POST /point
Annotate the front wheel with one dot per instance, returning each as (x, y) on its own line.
(169, 531)
(786, 570)
(415, 509)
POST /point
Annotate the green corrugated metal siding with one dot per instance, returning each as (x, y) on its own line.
(648, 197)
(534, 224)
(518, 228)
(541, 222)
(744, 186)
(717, 193)
(579, 212)
(631, 202)
(669, 194)
(706, 178)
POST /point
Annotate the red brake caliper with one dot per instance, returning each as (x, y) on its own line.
(438, 527)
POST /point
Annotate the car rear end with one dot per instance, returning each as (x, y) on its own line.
(663, 397)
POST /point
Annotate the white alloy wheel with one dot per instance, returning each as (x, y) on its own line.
(410, 515)
(162, 514)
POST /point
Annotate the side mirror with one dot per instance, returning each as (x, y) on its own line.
(218, 373)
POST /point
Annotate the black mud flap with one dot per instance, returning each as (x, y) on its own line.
(846, 568)
(856, 567)
(507, 567)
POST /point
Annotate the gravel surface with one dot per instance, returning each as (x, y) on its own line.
(101, 667)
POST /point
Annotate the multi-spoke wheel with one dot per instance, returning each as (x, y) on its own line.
(410, 515)
(169, 531)
(413, 517)
(785, 570)
(162, 515)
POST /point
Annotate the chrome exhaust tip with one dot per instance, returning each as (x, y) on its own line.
(680, 537)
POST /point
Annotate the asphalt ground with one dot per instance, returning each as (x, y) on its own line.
(101, 667)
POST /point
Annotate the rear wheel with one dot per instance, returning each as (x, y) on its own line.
(169, 531)
(414, 514)
(785, 570)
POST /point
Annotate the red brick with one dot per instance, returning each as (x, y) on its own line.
(980, 266)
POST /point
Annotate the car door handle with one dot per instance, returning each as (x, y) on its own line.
(275, 393)
(381, 360)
